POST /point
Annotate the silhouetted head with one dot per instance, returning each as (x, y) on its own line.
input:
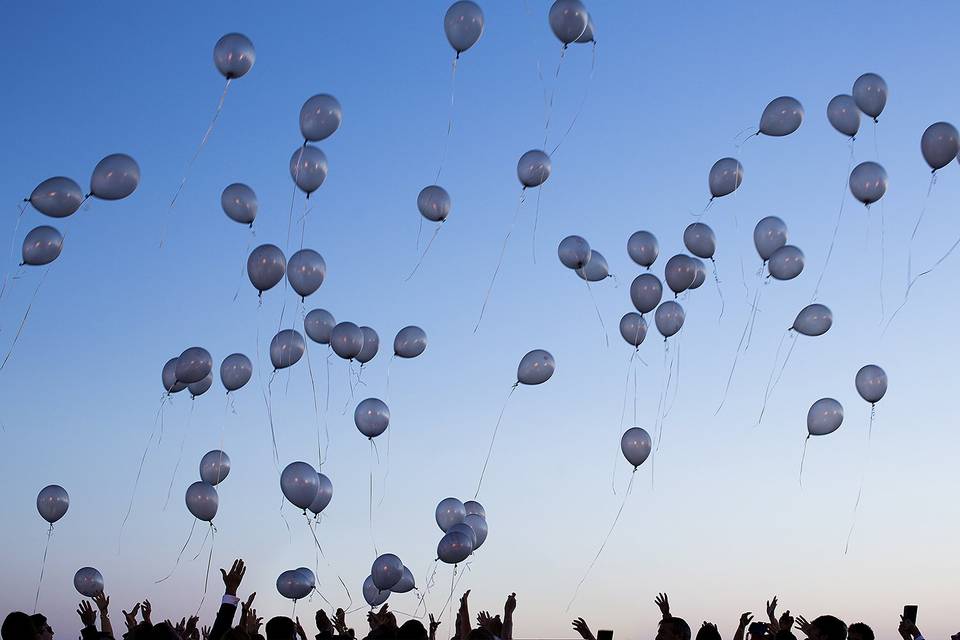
(708, 632)
(18, 626)
(859, 631)
(673, 629)
(280, 628)
(163, 631)
(412, 630)
(783, 634)
(827, 628)
(42, 627)
(758, 630)
(480, 634)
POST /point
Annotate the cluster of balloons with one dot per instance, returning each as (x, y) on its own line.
(193, 370)
(682, 272)
(783, 261)
(464, 526)
(296, 583)
(388, 575)
(320, 117)
(826, 414)
(571, 22)
(201, 498)
(575, 253)
(305, 487)
(267, 265)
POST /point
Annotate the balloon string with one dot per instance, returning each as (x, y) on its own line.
(603, 327)
(316, 410)
(243, 263)
(206, 580)
(583, 102)
(623, 415)
(268, 399)
(183, 441)
(203, 142)
(293, 195)
(605, 540)
(307, 208)
(373, 539)
(179, 555)
(553, 93)
(863, 471)
(883, 261)
(13, 236)
(493, 439)
(773, 371)
(753, 315)
(136, 481)
(503, 250)
(663, 390)
(803, 457)
(676, 381)
(23, 321)
(536, 222)
(424, 254)
(836, 226)
(736, 357)
(716, 279)
(446, 139)
(419, 233)
(43, 566)
(916, 227)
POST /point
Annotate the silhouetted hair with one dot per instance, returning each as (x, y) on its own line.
(163, 631)
(40, 621)
(678, 627)
(862, 630)
(830, 627)
(413, 630)
(480, 634)
(708, 632)
(280, 628)
(783, 634)
(18, 626)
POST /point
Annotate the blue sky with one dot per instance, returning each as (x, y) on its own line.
(726, 525)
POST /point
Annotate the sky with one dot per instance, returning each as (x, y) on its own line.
(721, 524)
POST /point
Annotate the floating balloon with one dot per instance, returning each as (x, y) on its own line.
(318, 325)
(813, 320)
(202, 501)
(305, 272)
(472, 507)
(346, 340)
(56, 197)
(88, 582)
(371, 344)
(386, 571)
(871, 383)
(410, 342)
(635, 445)
(533, 169)
(405, 584)
(781, 117)
(587, 35)
(536, 367)
(169, 377)
(477, 522)
(374, 596)
(234, 55)
(193, 365)
(239, 202)
(940, 144)
(294, 584)
(825, 416)
(433, 202)
(843, 114)
(726, 174)
(115, 177)
(320, 116)
(596, 268)
(701, 274)
(41, 246)
(235, 371)
(454, 547)
(463, 25)
(574, 252)
(700, 240)
(870, 94)
(669, 318)
(466, 530)
(568, 20)
(299, 483)
(642, 247)
(868, 182)
(214, 467)
(449, 512)
(786, 263)
(308, 168)
(769, 235)
(680, 273)
(633, 328)
(324, 494)
(309, 575)
(646, 292)
(266, 266)
(52, 502)
(200, 388)
(372, 417)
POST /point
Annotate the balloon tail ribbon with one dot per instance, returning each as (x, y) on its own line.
(283, 517)
(423, 255)
(183, 441)
(583, 101)
(268, 399)
(603, 327)
(773, 370)
(243, 264)
(206, 579)
(373, 539)
(866, 458)
(493, 439)
(179, 555)
(623, 415)
(203, 142)
(293, 195)
(716, 279)
(883, 234)
(803, 457)
(503, 250)
(605, 540)
(754, 312)
(136, 481)
(736, 356)
(916, 227)
(836, 227)
(676, 380)
(43, 563)
(386, 471)
(536, 222)
(16, 227)
(553, 93)
(316, 409)
(23, 321)
(446, 139)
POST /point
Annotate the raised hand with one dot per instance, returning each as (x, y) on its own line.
(340, 621)
(511, 605)
(786, 621)
(131, 617)
(190, 631)
(664, 603)
(580, 626)
(87, 615)
(103, 603)
(146, 609)
(180, 628)
(433, 626)
(231, 580)
(908, 629)
(772, 609)
(324, 625)
(803, 625)
(745, 619)
(245, 608)
(252, 622)
(205, 632)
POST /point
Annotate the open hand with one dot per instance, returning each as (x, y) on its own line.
(87, 615)
(772, 609)
(146, 609)
(340, 621)
(323, 622)
(231, 580)
(786, 621)
(664, 603)
(190, 631)
(580, 626)
(511, 605)
(745, 619)
(131, 617)
(803, 625)
(253, 623)
(205, 632)
(103, 603)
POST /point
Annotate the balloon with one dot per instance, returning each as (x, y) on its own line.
(642, 247)
(472, 507)
(52, 502)
(193, 365)
(200, 388)
(646, 292)
(234, 55)
(115, 177)
(308, 574)
(239, 202)
(346, 339)
(320, 116)
(536, 367)
(406, 582)
(781, 117)
(386, 571)
(466, 530)
(769, 235)
(477, 522)
(825, 416)
(871, 383)
(202, 501)
(463, 25)
(371, 344)
(294, 584)
(266, 266)
(843, 115)
(813, 320)
(596, 268)
(449, 512)
(410, 342)
(434, 203)
(786, 263)
(574, 252)
(633, 328)
(42, 246)
(454, 547)
(726, 174)
(700, 240)
(299, 483)
(568, 20)
(940, 144)
(669, 318)
(870, 94)
(868, 182)
(56, 197)
(680, 273)
(305, 271)
(374, 596)
(701, 273)
(169, 377)
(324, 494)
(214, 467)
(318, 325)
(635, 445)
(308, 168)
(235, 371)
(372, 417)
(587, 35)
(88, 581)
(533, 169)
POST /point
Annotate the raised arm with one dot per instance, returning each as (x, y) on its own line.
(772, 616)
(464, 626)
(228, 606)
(580, 626)
(664, 604)
(745, 619)
(433, 627)
(103, 605)
(508, 608)
(88, 617)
